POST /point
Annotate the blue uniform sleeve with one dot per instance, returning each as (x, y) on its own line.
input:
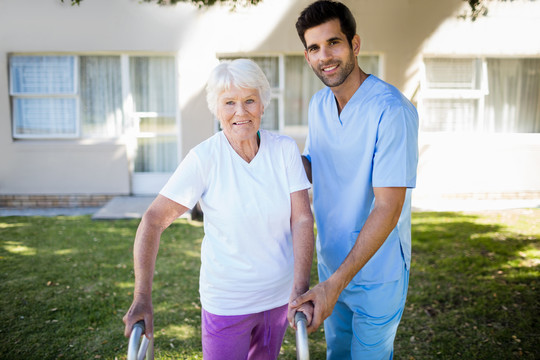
(396, 151)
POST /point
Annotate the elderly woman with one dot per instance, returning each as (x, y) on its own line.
(258, 246)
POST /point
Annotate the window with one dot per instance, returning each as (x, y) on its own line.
(101, 111)
(513, 100)
(44, 90)
(293, 84)
(153, 86)
(73, 96)
(480, 95)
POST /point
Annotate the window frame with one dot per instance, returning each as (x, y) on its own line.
(37, 95)
(128, 109)
(478, 94)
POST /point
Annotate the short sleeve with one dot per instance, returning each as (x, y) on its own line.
(295, 169)
(396, 150)
(186, 185)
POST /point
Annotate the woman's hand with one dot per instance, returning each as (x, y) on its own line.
(306, 308)
(140, 310)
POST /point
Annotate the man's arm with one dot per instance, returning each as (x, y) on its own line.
(307, 167)
(303, 244)
(382, 220)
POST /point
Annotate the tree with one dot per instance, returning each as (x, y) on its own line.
(478, 8)
(199, 3)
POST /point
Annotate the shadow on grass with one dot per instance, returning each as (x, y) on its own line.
(473, 290)
(66, 283)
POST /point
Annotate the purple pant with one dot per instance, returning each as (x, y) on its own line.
(240, 337)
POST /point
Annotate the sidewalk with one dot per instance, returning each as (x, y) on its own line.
(120, 207)
(124, 207)
(133, 207)
(48, 211)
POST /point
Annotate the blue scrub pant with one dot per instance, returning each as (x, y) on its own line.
(365, 319)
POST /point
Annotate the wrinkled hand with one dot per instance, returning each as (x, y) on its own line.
(140, 310)
(306, 308)
(323, 298)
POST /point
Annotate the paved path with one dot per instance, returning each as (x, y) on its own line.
(133, 207)
(124, 207)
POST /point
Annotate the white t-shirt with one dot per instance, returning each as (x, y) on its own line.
(247, 257)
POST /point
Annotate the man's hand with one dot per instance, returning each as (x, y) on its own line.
(323, 297)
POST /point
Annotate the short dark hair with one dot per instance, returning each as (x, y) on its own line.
(323, 11)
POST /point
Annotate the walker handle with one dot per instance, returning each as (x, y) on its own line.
(147, 346)
(302, 350)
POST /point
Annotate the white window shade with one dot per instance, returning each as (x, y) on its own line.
(450, 115)
(153, 86)
(42, 75)
(153, 83)
(83, 95)
(447, 73)
(36, 117)
(513, 101)
(43, 90)
(156, 154)
(101, 110)
(481, 95)
(300, 85)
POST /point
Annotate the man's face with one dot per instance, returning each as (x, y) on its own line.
(329, 54)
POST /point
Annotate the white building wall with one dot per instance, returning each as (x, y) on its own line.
(400, 31)
(97, 26)
(483, 165)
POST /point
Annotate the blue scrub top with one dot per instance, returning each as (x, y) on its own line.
(372, 143)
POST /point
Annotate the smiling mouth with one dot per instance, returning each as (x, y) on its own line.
(329, 68)
(242, 122)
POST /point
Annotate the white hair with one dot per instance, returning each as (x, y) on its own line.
(242, 73)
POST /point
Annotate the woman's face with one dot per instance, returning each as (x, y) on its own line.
(239, 111)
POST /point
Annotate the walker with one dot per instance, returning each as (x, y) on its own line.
(302, 349)
(146, 350)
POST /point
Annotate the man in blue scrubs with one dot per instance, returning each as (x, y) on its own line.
(361, 155)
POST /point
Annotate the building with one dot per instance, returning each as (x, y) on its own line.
(105, 98)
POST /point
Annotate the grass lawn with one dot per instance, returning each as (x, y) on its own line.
(66, 282)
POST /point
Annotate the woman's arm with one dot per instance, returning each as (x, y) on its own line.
(160, 214)
(303, 243)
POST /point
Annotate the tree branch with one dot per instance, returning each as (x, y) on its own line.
(199, 3)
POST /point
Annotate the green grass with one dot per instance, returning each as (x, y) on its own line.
(66, 282)
(474, 287)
